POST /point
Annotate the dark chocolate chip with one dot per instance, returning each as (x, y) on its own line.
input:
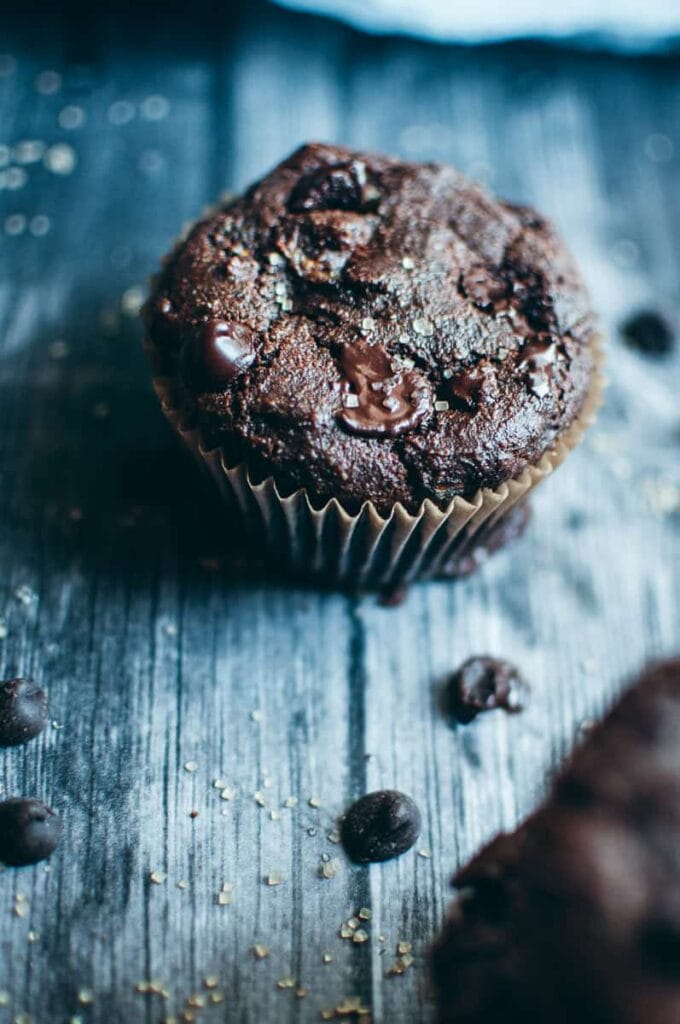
(483, 684)
(23, 711)
(648, 332)
(470, 388)
(29, 832)
(379, 399)
(380, 826)
(216, 353)
(345, 186)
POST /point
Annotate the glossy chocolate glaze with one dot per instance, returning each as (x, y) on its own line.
(403, 287)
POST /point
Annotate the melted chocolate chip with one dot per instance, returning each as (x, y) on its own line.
(648, 332)
(23, 711)
(465, 391)
(216, 353)
(379, 399)
(380, 826)
(538, 359)
(483, 684)
(29, 832)
(345, 186)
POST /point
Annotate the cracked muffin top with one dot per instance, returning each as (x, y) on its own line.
(370, 329)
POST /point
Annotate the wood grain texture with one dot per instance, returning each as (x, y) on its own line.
(156, 646)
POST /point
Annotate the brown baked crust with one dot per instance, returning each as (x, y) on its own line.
(399, 333)
(576, 916)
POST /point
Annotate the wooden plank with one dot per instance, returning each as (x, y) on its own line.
(157, 649)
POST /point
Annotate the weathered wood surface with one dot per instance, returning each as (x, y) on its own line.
(156, 651)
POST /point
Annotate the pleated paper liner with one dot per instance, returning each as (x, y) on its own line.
(366, 550)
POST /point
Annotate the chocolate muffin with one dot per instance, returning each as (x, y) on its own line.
(576, 915)
(372, 331)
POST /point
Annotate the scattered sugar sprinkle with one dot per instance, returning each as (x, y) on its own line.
(28, 151)
(15, 224)
(60, 158)
(25, 595)
(190, 766)
(120, 112)
(158, 877)
(71, 117)
(3, 629)
(256, 715)
(259, 799)
(327, 958)
(285, 983)
(365, 914)
(48, 82)
(154, 108)
(4, 998)
(290, 801)
(260, 952)
(39, 225)
(329, 869)
(274, 879)
(132, 300)
(183, 884)
(85, 996)
(314, 801)
(423, 327)
(441, 406)
(351, 401)
(407, 263)
(14, 178)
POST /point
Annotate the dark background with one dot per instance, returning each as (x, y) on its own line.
(123, 588)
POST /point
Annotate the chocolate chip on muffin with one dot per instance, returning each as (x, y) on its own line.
(576, 916)
(370, 329)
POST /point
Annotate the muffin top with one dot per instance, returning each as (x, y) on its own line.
(370, 329)
(576, 916)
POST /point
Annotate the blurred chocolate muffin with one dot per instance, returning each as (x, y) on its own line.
(576, 915)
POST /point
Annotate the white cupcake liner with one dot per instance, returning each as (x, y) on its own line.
(367, 550)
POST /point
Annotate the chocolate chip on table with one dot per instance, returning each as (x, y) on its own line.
(23, 711)
(345, 186)
(29, 832)
(380, 826)
(648, 332)
(483, 684)
(216, 353)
